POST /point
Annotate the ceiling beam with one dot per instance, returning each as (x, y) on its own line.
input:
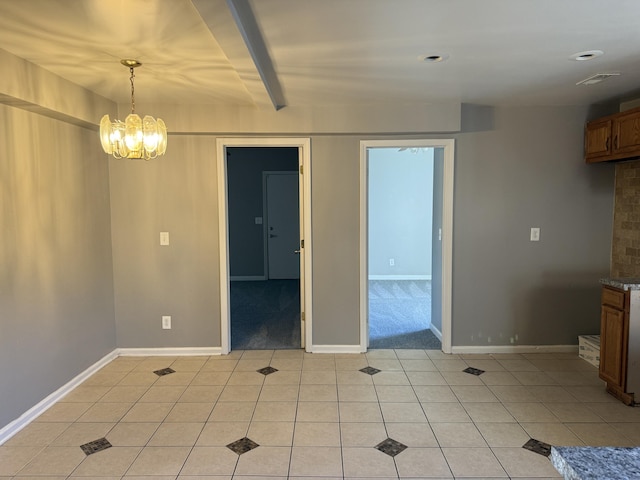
(250, 31)
(218, 18)
(31, 87)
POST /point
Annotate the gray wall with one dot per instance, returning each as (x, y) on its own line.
(516, 168)
(336, 262)
(245, 166)
(526, 169)
(74, 286)
(56, 283)
(177, 194)
(400, 211)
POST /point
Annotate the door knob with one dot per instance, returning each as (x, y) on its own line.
(271, 235)
(297, 252)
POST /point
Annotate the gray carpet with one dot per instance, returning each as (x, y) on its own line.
(399, 315)
(265, 315)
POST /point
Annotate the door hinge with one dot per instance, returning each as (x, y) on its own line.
(302, 316)
(302, 243)
(301, 170)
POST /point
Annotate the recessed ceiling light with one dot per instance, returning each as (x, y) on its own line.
(434, 58)
(588, 55)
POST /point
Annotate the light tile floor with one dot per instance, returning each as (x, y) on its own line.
(319, 416)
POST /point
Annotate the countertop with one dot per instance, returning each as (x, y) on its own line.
(622, 283)
(596, 463)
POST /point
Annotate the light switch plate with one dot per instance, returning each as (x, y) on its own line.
(258, 220)
(166, 322)
(535, 234)
(164, 238)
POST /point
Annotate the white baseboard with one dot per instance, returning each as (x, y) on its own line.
(515, 349)
(27, 417)
(399, 277)
(162, 352)
(247, 278)
(436, 332)
(336, 349)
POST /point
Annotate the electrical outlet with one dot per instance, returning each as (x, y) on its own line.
(166, 322)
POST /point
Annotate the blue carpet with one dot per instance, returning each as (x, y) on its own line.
(400, 315)
(265, 314)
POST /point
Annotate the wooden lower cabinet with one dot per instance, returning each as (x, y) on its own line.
(614, 342)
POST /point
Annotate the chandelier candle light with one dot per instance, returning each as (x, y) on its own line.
(134, 138)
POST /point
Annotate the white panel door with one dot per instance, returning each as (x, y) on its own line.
(283, 225)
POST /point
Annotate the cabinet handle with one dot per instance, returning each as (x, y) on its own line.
(606, 145)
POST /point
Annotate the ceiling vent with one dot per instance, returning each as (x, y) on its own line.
(597, 78)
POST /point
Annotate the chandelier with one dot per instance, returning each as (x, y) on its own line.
(134, 138)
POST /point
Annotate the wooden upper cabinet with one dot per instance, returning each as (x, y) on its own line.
(626, 133)
(615, 137)
(597, 140)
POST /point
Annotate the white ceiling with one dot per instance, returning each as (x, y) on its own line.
(501, 52)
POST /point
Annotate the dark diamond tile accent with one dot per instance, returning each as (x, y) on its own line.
(242, 446)
(95, 446)
(473, 371)
(267, 370)
(536, 446)
(370, 370)
(391, 447)
(164, 371)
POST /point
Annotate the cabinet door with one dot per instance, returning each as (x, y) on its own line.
(626, 133)
(597, 140)
(613, 349)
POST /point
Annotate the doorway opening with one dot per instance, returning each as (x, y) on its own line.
(264, 238)
(406, 221)
(264, 264)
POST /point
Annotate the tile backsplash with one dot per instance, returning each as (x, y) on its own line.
(625, 251)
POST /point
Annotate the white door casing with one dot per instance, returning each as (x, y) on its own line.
(447, 231)
(305, 256)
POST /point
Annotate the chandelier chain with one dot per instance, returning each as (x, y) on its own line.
(133, 99)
